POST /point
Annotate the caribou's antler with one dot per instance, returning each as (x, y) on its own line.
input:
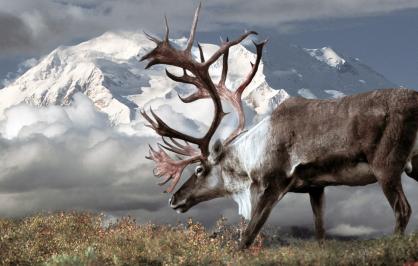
(168, 168)
(234, 97)
(165, 53)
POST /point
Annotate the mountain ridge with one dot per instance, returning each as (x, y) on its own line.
(107, 70)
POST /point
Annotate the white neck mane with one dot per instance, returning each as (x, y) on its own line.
(249, 148)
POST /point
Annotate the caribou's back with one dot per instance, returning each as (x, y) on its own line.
(324, 133)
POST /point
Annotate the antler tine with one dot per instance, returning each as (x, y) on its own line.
(202, 56)
(178, 148)
(167, 30)
(187, 147)
(151, 150)
(183, 79)
(224, 66)
(190, 41)
(165, 130)
(199, 94)
(254, 67)
(152, 38)
(236, 97)
(152, 125)
(165, 180)
(172, 149)
(179, 144)
(225, 46)
(162, 129)
(168, 168)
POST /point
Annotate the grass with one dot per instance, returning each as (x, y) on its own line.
(75, 238)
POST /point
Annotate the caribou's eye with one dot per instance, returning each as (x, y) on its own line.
(199, 170)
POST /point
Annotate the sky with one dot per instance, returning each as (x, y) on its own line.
(382, 33)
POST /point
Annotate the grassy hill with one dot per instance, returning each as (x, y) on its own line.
(75, 238)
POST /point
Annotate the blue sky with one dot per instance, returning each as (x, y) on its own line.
(382, 33)
(388, 43)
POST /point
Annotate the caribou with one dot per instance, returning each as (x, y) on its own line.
(303, 146)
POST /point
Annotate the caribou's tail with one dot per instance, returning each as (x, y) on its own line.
(411, 168)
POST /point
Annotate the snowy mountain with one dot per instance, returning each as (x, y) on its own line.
(319, 73)
(108, 71)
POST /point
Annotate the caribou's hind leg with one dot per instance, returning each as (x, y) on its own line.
(388, 163)
(397, 200)
(316, 196)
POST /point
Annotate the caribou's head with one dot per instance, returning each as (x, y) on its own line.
(206, 182)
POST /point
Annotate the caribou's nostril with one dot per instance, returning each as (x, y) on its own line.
(170, 201)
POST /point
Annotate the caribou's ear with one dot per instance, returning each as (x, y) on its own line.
(217, 150)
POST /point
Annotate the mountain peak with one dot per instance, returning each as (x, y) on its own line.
(108, 71)
(327, 55)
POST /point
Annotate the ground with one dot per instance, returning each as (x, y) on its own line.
(79, 238)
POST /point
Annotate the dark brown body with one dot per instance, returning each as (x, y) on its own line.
(331, 133)
(307, 145)
(355, 140)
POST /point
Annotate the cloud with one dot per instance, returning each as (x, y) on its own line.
(349, 230)
(335, 94)
(307, 93)
(272, 13)
(14, 34)
(66, 158)
(39, 26)
(69, 157)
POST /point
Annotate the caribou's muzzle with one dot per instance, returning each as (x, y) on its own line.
(180, 206)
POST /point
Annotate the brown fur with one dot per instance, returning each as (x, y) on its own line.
(355, 140)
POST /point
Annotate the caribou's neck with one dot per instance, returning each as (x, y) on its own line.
(244, 157)
(249, 149)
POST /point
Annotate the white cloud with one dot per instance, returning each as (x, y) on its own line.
(64, 158)
(53, 23)
(335, 94)
(349, 230)
(56, 151)
(307, 93)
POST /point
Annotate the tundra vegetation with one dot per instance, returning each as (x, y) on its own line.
(80, 238)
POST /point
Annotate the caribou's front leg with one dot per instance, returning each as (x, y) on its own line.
(261, 211)
(317, 202)
(259, 216)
